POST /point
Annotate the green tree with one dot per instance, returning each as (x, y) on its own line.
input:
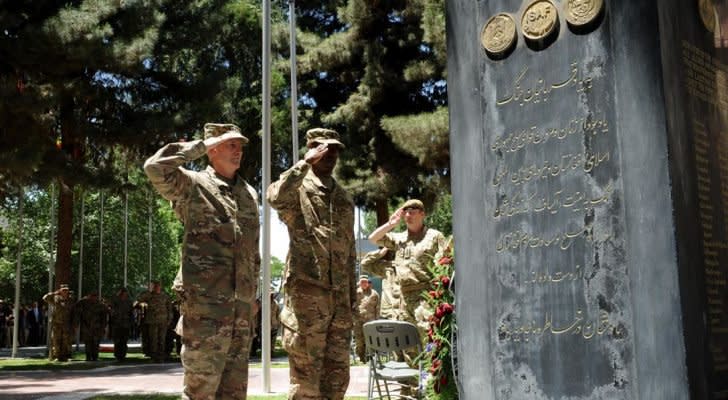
(386, 60)
(89, 87)
(37, 249)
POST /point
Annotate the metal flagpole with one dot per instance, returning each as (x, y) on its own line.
(149, 282)
(126, 234)
(294, 78)
(16, 307)
(101, 242)
(265, 290)
(51, 264)
(80, 262)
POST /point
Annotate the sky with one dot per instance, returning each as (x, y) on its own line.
(278, 237)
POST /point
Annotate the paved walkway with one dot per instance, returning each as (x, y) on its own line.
(132, 379)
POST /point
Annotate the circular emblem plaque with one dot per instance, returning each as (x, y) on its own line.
(540, 20)
(582, 12)
(499, 34)
(707, 14)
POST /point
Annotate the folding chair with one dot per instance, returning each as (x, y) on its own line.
(383, 339)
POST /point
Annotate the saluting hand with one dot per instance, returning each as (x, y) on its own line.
(314, 154)
(396, 217)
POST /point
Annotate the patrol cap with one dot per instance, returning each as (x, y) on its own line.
(228, 131)
(413, 203)
(322, 135)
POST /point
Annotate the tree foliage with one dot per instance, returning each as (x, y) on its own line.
(386, 62)
(38, 247)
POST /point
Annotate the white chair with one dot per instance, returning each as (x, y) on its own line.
(383, 339)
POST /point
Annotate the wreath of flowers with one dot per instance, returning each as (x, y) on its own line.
(437, 356)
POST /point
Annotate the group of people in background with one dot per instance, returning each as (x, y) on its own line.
(218, 277)
(118, 318)
(31, 328)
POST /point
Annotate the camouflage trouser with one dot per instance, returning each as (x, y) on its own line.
(361, 350)
(410, 300)
(215, 351)
(91, 345)
(318, 351)
(156, 336)
(60, 343)
(120, 333)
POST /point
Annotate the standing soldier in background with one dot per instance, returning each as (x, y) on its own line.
(157, 316)
(320, 282)
(367, 310)
(413, 250)
(174, 341)
(218, 278)
(141, 310)
(91, 315)
(379, 262)
(120, 322)
(61, 323)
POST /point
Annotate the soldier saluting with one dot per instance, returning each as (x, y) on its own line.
(61, 323)
(218, 278)
(320, 282)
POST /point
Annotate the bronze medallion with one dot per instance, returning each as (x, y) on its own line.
(582, 12)
(499, 34)
(540, 20)
(707, 14)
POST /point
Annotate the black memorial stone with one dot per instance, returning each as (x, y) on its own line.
(590, 184)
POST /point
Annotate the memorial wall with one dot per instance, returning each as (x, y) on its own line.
(589, 148)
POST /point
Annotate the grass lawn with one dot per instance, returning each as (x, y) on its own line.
(77, 362)
(134, 357)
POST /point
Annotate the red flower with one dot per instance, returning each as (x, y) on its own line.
(445, 280)
(439, 313)
(443, 380)
(446, 308)
(445, 261)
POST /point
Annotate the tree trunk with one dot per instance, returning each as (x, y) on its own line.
(65, 234)
(71, 146)
(382, 212)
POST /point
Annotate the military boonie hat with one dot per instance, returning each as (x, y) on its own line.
(229, 131)
(322, 135)
(413, 203)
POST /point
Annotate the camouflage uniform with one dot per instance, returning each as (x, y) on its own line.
(218, 278)
(381, 265)
(91, 315)
(156, 319)
(120, 323)
(320, 282)
(367, 310)
(61, 326)
(412, 255)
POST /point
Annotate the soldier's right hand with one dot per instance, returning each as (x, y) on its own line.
(314, 154)
(396, 217)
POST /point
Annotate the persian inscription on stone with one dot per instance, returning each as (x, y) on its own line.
(707, 14)
(499, 34)
(539, 20)
(582, 12)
